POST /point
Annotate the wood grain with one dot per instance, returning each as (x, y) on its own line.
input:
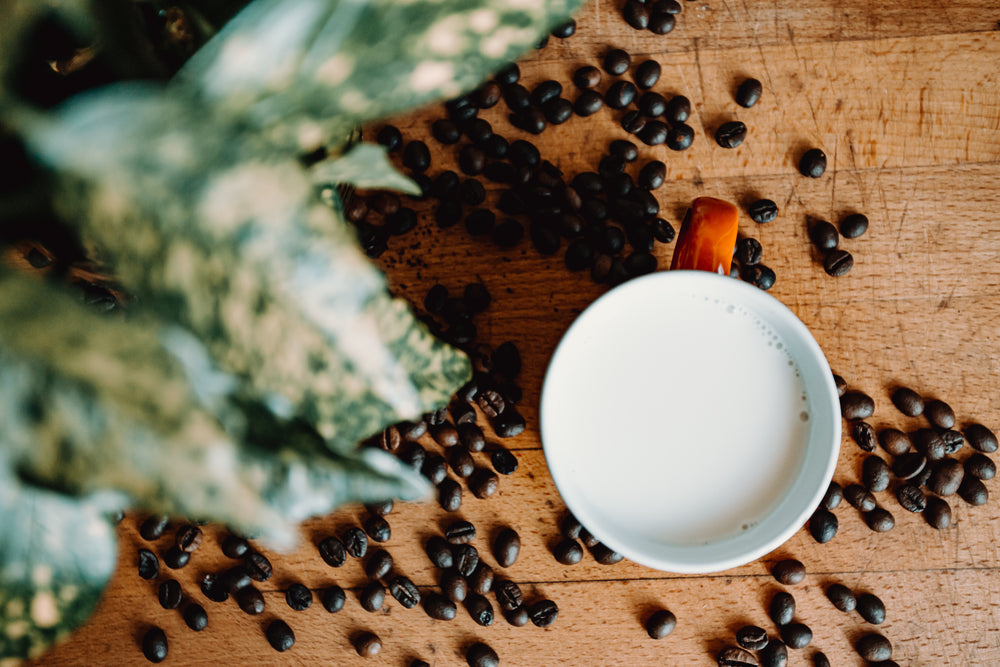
(904, 99)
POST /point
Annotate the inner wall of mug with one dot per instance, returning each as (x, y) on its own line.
(800, 484)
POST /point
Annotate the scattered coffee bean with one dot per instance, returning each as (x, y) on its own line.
(652, 104)
(504, 461)
(605, 555)
(416, 156)
(751, 637)
(856, 405)
(617, 62)
(938, 513)
(479, 609)
(588, 103)
(507, 547)
(880, 520)
(661, 23)
(235, 578)
(775, 654)
(939, 414)
(250, 600)
(796, 635)
(733, 656)
(981, 438)
(390, 137)
(587, 77)
(367, 644)
(871, 608)
(834, 494)
(195, 617)
(461, 461)
(377, 528)
(543, 613)
(483, 483)
(546, 91)
(908, 402)
(909, 465)
(460, 532)
(298, 597)
(508, 595)
(813, 163)
(445, 131)
(731, 134)
(235, 547)
(824, 235)
(149, 564)
(333, 598)
(439, 551)
(454, 585)
(449, 495)
(782, 608)
(620, 94)
(874, 648)
(471, 436)
(838, 262)
(154, 645)
(763, 211)
(372, 596)
(911, 498)
(466, 558)
(661, 623)
(647, 74)
(842, 597)
(678, 110)
(481, 579)
(875, 473)
(789, 571)
(749, 251)
(749, 92)
(405, 592)
(980, 466)
(258, 567)
(439, 607)
(854, 225)
(212, 588)
(176, 559)
(565, 29)
(481, 655)
(860, 498)
(841, 384)
(332, 551)
(170, 594)
(568, 552)
(823, 525)
(894, 441)
(973, 491)
(680, 137)
(946, 477)
(517, 617)
(953, 441)
(355, 542)
(379, 564)
(154, 527)
(864, 435)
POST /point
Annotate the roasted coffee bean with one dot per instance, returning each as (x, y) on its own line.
(871, 608)
(298, 597)
(939, 414)
(911, 498)
(733, 656)
(663, 231)
(449, 495)
(953, 441)
(212, 588)
(471, 160)
(390, 137)
(813, 163)
(517, 617)
(460, 532)
(980, 466)
(445, 131)
(928, 443)
(462, 412)
(678, 110)
(761, 276)
(782, 608)
(834, 494)
(258, 567)
(796, 635)
(616, 62)
(894, 441)
(856, 405)
(153, 528)
(195, 616)
(653, 133)
(332, 551)
(543, 613)
(355, 542)
(820, 660)
(481, 655)
(860, 498)
(588, 103)
(824, 235)
(647, 73)
(490, 402)
(652, 104)
(908, 402)
(652, 175)
(439, 551)
(973, 491)
(471, 437)
(384, 507)
(478, 131)
(586, 77)
(154, 645)
(680, 137)
(483, 483)
(460, 109)
(749, 92)
(823, 525)
(504, 462)
(620, 94)
(413, 453)
(416, 156)
(623, 149)
(506, 547)
(461, 461)
(545, 91)
(454, 585)
(509, 75)
(875, 473)
(384, 202)
(731, 134)
(633, 122)
(439, 607)
(667, 6)
(568, 552)
(838, 262)
(864, 435)
(570, 526)
(235, 547)
(377, 527)
(379, 564)
(763, 211)
(938, 513)
(481, 580)
(775, 654)
(880, 520)
(487, 96)
(170, 594)
(250, 601)
(466, 558)
(749, 251)
(874, 648)
(333, 598)
(508, 594)
(789, 571)
(981, 438)
(605, 555)
(661, 623)
(367, 644)
(841, 597)
(751, 637)
(853, 226)
(636, 14)
(557, 111)
(661, 23)
(372, 596)
(479, 609)
(909, 465)
(405, 592)
(175, 559)
(356, 209)
(149, 564)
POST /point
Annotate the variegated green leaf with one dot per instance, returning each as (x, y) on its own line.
(363, 166)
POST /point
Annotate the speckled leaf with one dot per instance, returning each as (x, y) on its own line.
(363, 166)
(56, 555)
(211, 230)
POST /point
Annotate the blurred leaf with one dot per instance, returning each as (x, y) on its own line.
(364, 166)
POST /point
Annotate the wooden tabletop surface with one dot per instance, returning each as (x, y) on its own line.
(904, 98)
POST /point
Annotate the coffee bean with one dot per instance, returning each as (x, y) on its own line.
(813, 163)
(439, 551)
(454, 585)
(775, 654)
(379, 564)
(504, 462)
(911, 498)
(749, 251)
(823, 525)
(460, 532)
(789, 571)
(640, 263)
(636, 14)
(461, 461)
(509, 75)
(235, 547)
(579, 255)
(620, 94)
(667, 6)
(483, 483)
(733, 656)
(909, 465)
(875, 473)
(796, 635)
(980, 466)
(588, 103)
(860, 498)
(517, 617)
(938, 513)
(384, 507)
(508, 595)
(235, 578)
(864, 435)
(175, 558)
(250, 601)
(545, 91)
(908, 401)
(623, 149)
(661, 623)
(405, 592)
(751, 637)
(479, 609)
(332, 551)
(445, 131)
(564, 29)
(570, 526)
(842, 597)
(372, 596)
(874, 648)
(834, 494)
(149, 564)
(212, 588)
(731, 134)
(439, 607)
(880, 520)
(587, 77)
(605, 555)
(973, 491)
(557, 111)
(678, 110)
(460, 109)
(471, 436)
(838, 262)
(680, 137)
(170, 594)
(481, 655)
(377, 527)
(449, 495)
(894, 441)
(471, 160)
(568, 552)
(946, 477)
(416, 156)
(466, 558)
(333, 598)
(195, 617)
(543, 613)
(488, 95)
(820, 660)
(763, 211)
(258, 567)
(953, 441)
(661, 23)
(854, 226)
(390, 137)
(355, 542)
(663, 231)
(928, 443)
(445, 434)
(856, 405)
(824, 235)
(981, 438)
(154, 645)
(616, 62)
(153, 527)
(652, 104)
(841, 384)
(939, 414)
(633, 122)
(749, 92)
(506, 547)
(367, 644)
(871, 608)
(782, 608)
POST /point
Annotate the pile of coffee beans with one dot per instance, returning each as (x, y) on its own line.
(658, 17)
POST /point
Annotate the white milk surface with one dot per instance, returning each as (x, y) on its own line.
(687, 426)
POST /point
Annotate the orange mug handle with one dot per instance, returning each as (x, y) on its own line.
(707, 236)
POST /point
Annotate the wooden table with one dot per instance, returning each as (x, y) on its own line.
(905, 100)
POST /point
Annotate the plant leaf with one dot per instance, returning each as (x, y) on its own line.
(363, 166)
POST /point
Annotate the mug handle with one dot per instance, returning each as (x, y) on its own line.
(707, 237)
